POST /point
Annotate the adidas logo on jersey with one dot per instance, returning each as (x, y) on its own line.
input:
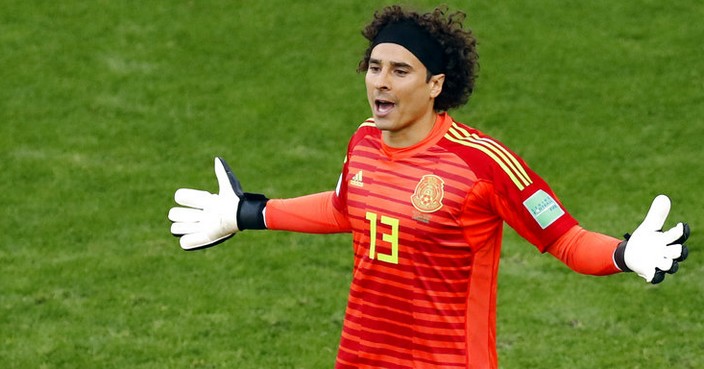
(357, 180)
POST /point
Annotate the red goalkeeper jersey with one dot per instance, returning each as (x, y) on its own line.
(427, 227)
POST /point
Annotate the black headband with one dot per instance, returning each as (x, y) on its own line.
(416, 40)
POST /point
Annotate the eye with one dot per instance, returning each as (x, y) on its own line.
(401, 72)
(374, 68)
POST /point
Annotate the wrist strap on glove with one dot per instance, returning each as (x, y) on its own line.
(250, 213)
(619, 254)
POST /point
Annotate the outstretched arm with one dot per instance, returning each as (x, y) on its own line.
(206, 219)
(650, 252)
(310, 214)
(586, 252)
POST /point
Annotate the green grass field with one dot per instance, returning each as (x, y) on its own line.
(107, 107)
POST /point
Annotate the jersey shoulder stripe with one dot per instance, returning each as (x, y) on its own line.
(367, 123)
(506, 160)
(366, 129)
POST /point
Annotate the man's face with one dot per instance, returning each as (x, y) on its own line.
(400, 97)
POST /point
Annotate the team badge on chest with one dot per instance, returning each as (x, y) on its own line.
(428, 195)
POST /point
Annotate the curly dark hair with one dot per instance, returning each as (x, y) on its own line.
(459, 45)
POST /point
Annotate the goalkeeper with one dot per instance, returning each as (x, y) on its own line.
(425, 199)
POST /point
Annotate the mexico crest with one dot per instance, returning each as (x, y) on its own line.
(427, 197)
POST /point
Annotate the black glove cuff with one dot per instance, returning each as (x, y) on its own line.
(619, 256)
(250, 213)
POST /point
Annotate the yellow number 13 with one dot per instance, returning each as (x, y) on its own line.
(391, 238)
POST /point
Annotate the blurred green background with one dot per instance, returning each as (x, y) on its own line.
(107, 107)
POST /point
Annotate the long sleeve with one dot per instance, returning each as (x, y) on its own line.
(308, 214)
(586, 252)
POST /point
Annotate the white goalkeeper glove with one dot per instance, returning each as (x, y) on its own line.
(207, 219)
(650, 251)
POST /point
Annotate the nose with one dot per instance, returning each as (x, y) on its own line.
(382, 80)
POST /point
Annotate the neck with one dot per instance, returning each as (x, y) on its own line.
(412, 134)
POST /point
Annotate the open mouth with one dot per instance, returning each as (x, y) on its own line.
(383, 107)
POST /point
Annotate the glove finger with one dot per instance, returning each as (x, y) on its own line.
(673, 251)
(180, 228)
(657, 214)
(664, 264)
(227, 181)
(675, 267)
(193, 198)
(648, 275)
(658, 277)
(200, 240)
(673, 234)
(186, 215)
(685, 234)
(194, 240)
(684, 254)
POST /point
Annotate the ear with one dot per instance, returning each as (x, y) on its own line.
(436, 82)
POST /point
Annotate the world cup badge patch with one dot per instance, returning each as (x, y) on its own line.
(428, 195)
